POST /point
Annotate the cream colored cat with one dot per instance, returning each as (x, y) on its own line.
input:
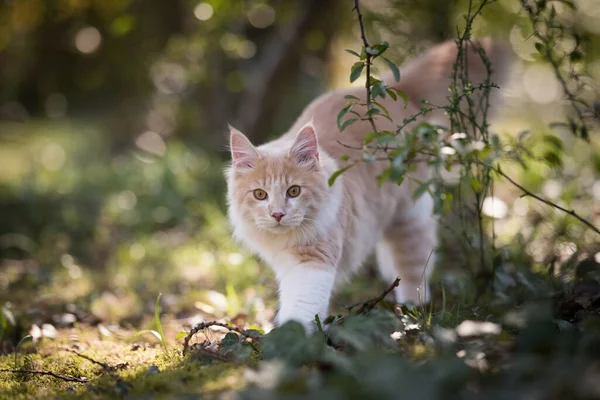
(315, 236)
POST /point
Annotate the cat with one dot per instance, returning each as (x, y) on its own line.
(315, 236)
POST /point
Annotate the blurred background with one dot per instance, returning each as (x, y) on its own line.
(113, 117)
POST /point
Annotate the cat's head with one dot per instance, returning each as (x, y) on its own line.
(278, 187)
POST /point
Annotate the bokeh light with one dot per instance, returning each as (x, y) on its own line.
(261, 16)
(540, 84)
(151, 142)
(88, 40)
(203, 11)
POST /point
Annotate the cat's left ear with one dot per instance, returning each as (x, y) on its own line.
(305, 150)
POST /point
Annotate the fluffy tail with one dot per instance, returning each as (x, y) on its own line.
(429, 76)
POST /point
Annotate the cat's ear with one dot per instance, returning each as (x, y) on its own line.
(243, 153)
(305, 150)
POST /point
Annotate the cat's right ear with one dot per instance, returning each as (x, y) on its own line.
(243, 153)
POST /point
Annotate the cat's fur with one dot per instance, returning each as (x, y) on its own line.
(327, 232)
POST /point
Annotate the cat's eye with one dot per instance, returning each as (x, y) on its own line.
(293, 191)
(260, 194)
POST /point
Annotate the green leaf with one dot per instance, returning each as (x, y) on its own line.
(392, 94)
(341, 114)
(385, 111)
(386, 139)
(378, 49)
(157, 321)
(369, 137)
(26, 337)
(398, 169)
(344, 157)
(476, 185)
(447, 205)
(351, 97)
(374, 110)
(540, 48)
(318, 322)
(337, 173)
(384, 176)
(181, 335)
(394, 68)
(229, 340)
(353, 53)
(290, 344)
(554, 141)
(553, 159)
(347, 123)
(420, 190)
(356, 71)
(404, 97)
(373, 81)
(367, 157)
(378, 90)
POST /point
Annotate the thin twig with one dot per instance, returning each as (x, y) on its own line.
(370, 304)
(108, 368)
(547, 202)
(67, 378)
(105, 366)
(203, 325)
(367, 62)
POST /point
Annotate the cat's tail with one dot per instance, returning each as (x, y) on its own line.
(429, 76)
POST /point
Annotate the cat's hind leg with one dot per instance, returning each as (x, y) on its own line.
(407, 250)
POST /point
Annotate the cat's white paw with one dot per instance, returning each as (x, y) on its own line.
(304, 292)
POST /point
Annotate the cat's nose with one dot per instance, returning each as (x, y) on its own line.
(278, 216)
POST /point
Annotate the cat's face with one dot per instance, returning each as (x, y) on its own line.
(277, 190)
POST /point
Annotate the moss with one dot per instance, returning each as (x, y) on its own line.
(139, 370)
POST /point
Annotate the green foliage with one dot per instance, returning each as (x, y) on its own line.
(94, 229)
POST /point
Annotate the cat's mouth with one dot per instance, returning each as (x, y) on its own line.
(280, 227)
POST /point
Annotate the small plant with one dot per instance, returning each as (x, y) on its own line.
(23, 340)
(158, 333)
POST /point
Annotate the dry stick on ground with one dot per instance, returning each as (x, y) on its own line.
(108, 368)
(67, 378)
(203, 325)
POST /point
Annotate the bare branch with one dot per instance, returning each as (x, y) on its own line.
(370, 304)
(203, 325)
(541, 199)
(67, 378)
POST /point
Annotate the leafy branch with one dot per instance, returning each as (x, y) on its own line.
(367, 63)
(374, 87)
(541, 15)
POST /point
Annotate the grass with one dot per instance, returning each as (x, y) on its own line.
(123, 253)
(145, 367)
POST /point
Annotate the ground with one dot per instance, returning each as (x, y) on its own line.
(109, 258)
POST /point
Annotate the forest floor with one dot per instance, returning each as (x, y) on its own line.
(89, 239)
